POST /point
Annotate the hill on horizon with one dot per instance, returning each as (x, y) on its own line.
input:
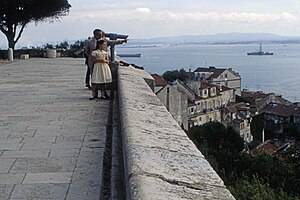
(219, 38)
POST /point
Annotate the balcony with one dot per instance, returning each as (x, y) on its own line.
(56, 144)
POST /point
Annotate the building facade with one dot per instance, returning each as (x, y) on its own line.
(207, 105)
(175, 98)
(238, 116)
(217, 76)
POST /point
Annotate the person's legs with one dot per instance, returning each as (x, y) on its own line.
(87, 78)
(104, 94)
(94, 91)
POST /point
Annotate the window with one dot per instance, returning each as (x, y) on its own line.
(213, 91)
(242, 126)
(199, 120)
(215, 116)
(198, 107)
(207, 118)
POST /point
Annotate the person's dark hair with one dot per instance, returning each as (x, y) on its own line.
(99, 43)
(96, 32)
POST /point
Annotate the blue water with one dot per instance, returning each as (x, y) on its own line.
(279, 73)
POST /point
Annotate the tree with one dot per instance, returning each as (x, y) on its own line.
(48, 46)
(220, 145)
(175, 74)
(63, 45)
(257, 189)
(16, 14)
(257, 125)
(79, 44)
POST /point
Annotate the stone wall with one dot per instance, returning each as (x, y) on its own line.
(159, 159)
(38, 53)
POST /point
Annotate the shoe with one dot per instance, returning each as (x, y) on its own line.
(88, 86)
(92, 98)
(103, 97)
(106, 95)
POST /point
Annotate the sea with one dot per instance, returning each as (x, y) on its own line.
(278, 73)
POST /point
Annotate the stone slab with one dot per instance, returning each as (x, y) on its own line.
(6, 164)
(64, 152)
(24, 154)
(10, 146)
(40, 191)
(11, 179)
(57, 177)
(43, 165)
(89, 192)
(5, 191)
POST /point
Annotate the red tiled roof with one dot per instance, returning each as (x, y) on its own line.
(247, 94)
(268, 148)
(159, 81)
(239, 106)
(280, 110)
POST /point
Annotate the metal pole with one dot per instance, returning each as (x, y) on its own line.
(112, 53)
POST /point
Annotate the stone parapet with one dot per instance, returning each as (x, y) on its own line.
(160, 161)
(24, 56)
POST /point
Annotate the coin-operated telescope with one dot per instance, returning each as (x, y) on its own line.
(114, 39)
(115, 36)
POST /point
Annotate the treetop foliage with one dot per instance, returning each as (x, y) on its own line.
(25, 11)
(16, 14)
(257, 177)
(175, 74)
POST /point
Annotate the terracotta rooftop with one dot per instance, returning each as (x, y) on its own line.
(281, 110)
(249, 94)
(159, 81)
(268, 147)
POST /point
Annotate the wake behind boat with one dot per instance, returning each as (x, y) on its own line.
(260, 52)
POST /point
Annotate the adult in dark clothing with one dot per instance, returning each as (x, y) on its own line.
(88, 71)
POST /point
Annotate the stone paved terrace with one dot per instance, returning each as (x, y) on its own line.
(52, 137)
(56, 144)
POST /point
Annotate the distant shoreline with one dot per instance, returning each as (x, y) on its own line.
(205, 43)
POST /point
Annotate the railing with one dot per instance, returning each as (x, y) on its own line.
(160, 161)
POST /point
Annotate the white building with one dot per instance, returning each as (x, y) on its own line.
(225, 77)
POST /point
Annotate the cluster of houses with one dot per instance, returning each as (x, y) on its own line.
(214, 94)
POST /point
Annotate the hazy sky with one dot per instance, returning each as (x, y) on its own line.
(156, 18)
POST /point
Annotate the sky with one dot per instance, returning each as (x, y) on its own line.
(158, 18)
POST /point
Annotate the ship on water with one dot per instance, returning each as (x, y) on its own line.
(129, 54)
(260, 52)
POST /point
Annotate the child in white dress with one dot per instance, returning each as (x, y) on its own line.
(101, 71)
